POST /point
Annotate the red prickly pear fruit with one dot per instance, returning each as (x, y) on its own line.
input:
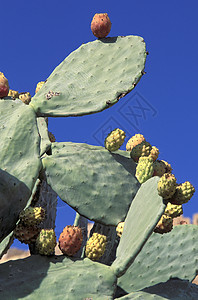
(4, 86)
(70, 240)
(101, 25)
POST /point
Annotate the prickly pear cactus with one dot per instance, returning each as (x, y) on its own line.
(99, 183)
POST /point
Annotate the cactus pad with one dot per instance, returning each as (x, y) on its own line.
(57, 277)
(92, 78)
(170, 255)
(86, 177)
(19, 160)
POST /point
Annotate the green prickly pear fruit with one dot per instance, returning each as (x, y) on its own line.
(119, 228)
(101, 25)
(4, 86)
(26, 234)
(159, 168)
(70, 240)
(154, 153)
(183, 193)
(115, 139)
(164, 225)
(134, 141)
(144, 169)
(167, 186)
(46, 242)
(32, 216)
(13, 94)
(25, 97)
(173, 210)
(142, 149)
(39, 86)
(96, 246)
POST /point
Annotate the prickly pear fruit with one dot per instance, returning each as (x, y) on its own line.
(144, 169)
(39, 86)
(4, 86)
(13, 94)
(119, 228)
(173, 210)
(101, 25)
(70, 240)
(154, 153)
(164, 225)
(46, 242)
(26, 234)
(115, 139)
(167, 186)
(96, 246)
(159, 168)
(134, 141)
(25, 97)
(142, 149)
(183, 193)
(32, 216)
(168, 166)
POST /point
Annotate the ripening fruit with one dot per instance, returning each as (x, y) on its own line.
(120, 228)
(96, 246)
(4, 86)
(46, 242)
(39, 86)
(32, 216)
(70, 240)
(25, 97)
(143, 149)
(101, 25)
(167, 186)
(183, 193)
(134, 141)
(26, 234)
(115, 139)
(144, 169)
(13, 94)
(164, 225)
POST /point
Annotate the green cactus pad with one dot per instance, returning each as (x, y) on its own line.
(98, 184)
(144, 213)
(43, 131)
(92, 78)
(174, 254)
(19, 160)
(55, 278)
(173, 289)
(6, 243)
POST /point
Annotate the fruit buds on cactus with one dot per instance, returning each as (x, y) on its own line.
(4, 86)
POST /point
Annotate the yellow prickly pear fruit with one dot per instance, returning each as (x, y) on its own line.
(164, 225)
(142, 149)
(25, 97)
(167, 186)
(134, 141)
(119, 228)
(46, 242)
(144, 169)
(32, 216)
(39, 86)
(173, 210)
(13, 94)
(115, 139)
(96, 246)
(26, 234)
(154, 153)
(183, 193)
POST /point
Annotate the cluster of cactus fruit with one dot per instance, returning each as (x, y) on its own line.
(130, 195)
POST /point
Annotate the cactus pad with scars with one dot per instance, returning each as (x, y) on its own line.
(86, 177)
(92, 78)
(19, 157)
(56, 277)
(171, 255)
(143, 215)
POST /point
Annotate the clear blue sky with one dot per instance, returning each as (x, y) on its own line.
(37, 35)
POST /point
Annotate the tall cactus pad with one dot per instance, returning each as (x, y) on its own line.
(166, 256)
(92, 78)
(19, 160)
(144, 213)
(56, 278)
(98, 184)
